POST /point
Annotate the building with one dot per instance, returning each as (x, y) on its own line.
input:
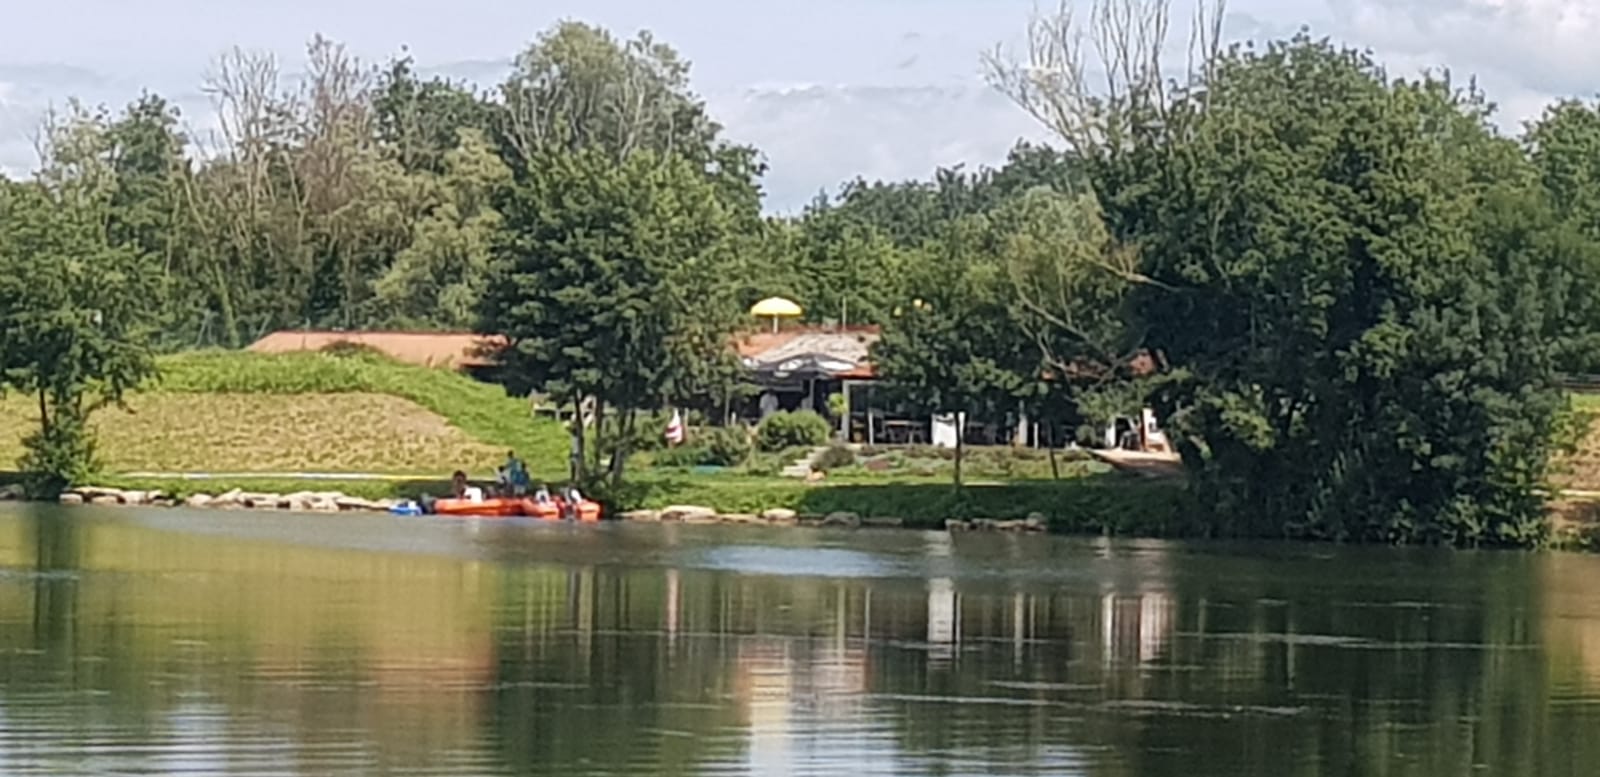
(464, 351)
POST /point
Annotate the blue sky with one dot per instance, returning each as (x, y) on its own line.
(827, 88)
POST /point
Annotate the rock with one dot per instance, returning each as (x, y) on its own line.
(162, 502)
(809, 519)
(850, 520)
(11, 493)
(70, 498)
(260, 501)
(199, 500)
(740, 518)
(1036, 522)
(232, 498)
(688, 514)
(778, 515)
(324, 503)
(105, 499)
(356, 503)
(1011, 526)
(90, 492)
(140, 497)
(983, 524)
(881, 522)
(951, 524)
(642, 516)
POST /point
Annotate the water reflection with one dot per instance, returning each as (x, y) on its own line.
(167, 643)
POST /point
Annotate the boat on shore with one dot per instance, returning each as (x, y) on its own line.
(585, 511)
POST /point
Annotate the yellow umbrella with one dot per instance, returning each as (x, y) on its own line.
(776, 308)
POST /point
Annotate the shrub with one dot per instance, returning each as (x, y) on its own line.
(57, 457)
(721, 447)
(802, 429)
(836, 457)
(728, 446)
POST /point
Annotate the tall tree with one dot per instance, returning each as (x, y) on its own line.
(954, 349)
(1363, 355)
(606, 283)
(76, 312)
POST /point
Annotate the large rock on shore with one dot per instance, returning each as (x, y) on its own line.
(780, 515)
(642, 516)
(842, 519)
(689, 514)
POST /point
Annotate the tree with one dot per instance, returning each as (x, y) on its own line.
(420, 121)
(1355, 312)
(605, 284)
(76, 314)
(1564, 147)
(578, 87)
(438, 280)
(953, 349)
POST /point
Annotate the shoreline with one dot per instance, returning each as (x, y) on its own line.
(332, 502)
(1573, 526)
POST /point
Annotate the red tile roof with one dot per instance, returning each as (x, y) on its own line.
(457, 350)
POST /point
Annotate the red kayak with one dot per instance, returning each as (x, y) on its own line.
(486, 508)
(555, 510)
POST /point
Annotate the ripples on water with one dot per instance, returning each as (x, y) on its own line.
(236, 644)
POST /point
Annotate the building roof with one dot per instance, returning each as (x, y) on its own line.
(761, 351)
(766, 351)
(457, 350)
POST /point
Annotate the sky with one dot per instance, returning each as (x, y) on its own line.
(828, 89)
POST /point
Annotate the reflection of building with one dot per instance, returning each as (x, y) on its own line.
(1135, 627)
(944, 620)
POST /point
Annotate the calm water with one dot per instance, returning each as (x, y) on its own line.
(166, 642)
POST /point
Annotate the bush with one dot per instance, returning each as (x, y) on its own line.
(728, 446)
(802, 429)
(836, 457)
(720, 447)
(58, 457)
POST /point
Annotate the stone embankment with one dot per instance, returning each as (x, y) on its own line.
(336, 502)
(690, 514)
(302, 501)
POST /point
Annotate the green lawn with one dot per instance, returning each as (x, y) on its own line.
(309, 412)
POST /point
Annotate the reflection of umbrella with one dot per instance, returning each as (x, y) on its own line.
(775, 308)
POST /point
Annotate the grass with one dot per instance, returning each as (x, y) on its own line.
(1103, 504)
(308, 412)
(1090, 504)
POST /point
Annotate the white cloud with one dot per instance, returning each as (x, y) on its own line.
(829, 89)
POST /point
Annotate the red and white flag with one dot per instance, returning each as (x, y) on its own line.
(675, 429)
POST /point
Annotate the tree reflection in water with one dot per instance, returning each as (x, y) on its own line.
(519, 651)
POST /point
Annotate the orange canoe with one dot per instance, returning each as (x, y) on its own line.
(554, 510)
(488, 508)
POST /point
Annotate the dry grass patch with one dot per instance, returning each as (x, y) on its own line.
(224, 432)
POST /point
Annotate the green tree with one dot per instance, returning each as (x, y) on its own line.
(76, 314)
(1564, 147)
(606, 282)
(954, 348)
(438, 280)
(1356, 312)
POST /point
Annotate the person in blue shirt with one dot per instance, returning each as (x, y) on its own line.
(517, 474)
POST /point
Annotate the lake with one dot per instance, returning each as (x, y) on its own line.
(176, 642)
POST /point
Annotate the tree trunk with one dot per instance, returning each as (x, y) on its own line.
(44, 413)
(961, 433)
(1055, 466)
(619, 454)
(575, 455)
(599, 432)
